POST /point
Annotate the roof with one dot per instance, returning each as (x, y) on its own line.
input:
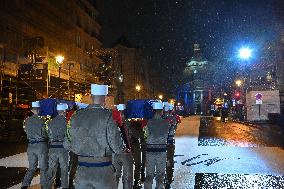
(122, 40)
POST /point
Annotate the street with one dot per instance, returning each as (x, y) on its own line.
(209, 154)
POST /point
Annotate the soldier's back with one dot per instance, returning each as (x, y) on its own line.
(57, 128)
(89, 132)
(34, 127)
(157, 131)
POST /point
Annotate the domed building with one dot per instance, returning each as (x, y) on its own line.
(194, 93)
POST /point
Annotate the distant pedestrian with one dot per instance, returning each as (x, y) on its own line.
(37, 151)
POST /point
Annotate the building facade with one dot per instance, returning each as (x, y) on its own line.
(133, 72)
(32, 34)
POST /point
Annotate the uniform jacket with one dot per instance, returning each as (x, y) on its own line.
(57, 128)
(157, 131)
(35, 128)
(93, 132)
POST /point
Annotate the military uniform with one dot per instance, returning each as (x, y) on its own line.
(37, 149)
(58, 156)
(170, 150)
(157, 134)
(138, 147)
(93, 136)
(125, 159)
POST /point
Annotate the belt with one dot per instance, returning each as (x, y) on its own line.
(101, 164)
(36, 141)
(156, 149)
(56, 146)
(171, 135)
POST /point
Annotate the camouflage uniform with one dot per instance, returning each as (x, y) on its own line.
(93, 136)
(58, 156)
(124, 160)
(170, 150)
(138, 147)
(157, 134)
(37, 149)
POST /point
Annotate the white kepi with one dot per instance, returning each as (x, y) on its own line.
(35, 104)
(166, 106)
(62, 106)
(121, 107)
(171, 107)
(99, 90)
(158, 105)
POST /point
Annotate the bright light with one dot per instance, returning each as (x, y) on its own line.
(59, 59)
(225, 94)
(239, 82)
(160, 97)
(138, 88)
(245, 53)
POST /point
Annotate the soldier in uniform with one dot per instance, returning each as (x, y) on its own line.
(173, 121)
(157, 134)
(37, 148)
(138, 148)
(94, 137)
(58, 156)
(124, 159)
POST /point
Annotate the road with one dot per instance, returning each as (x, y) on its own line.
(209, 154)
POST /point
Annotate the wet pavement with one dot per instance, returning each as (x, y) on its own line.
(209, 154)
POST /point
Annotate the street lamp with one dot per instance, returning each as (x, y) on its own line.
(138, 89)
(239, 82)
(59, 60)
(245, 53)
(160, 97)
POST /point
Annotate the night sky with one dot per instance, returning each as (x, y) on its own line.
(165, 30)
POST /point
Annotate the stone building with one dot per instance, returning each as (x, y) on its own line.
(133, 70)
(194, 94)
(32, 34)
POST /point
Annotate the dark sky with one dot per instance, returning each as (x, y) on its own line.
(165, 30)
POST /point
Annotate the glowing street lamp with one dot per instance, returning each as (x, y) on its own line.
(160, 97)
(138, 88)
(238, 82)
(245, 53)
(59, 60)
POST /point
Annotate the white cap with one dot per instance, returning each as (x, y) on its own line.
(81, 105)
(121, 107)
(166, 106)
(171, 107)
(100, 90)
(157, 105)
(62, 106)
(35, 104)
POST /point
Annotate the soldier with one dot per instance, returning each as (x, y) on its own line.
(138, 148)
(93, 136)
(173, 121)
(157, 134)
(37, 148)
(58, 156)
(124, 159)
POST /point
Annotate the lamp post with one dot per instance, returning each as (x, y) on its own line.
(138, 89)
(245, 54)
(59, 60)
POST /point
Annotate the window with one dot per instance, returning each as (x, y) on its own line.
(78, 41)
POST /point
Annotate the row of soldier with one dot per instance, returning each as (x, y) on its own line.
(105, 143)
